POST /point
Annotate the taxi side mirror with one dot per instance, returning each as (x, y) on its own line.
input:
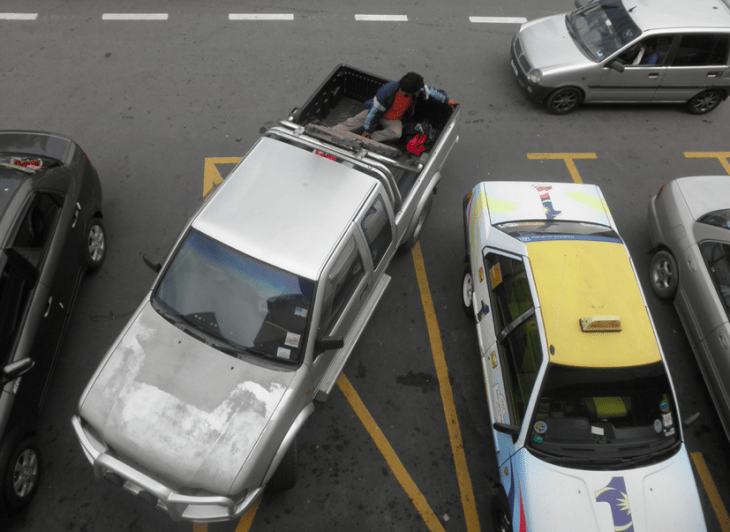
(504, 428)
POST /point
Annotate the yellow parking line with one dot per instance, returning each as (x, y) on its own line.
(722, 156)
(400, 473)
(712, 493)
(568, 158)
(447, 398)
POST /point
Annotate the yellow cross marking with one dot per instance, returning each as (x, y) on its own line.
(722, 156)
(568, 158)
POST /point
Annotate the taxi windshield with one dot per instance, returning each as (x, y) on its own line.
(233, 302)
(558, 230)
(601, 28)
(599, 417)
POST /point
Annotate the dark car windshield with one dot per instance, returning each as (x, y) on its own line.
(240, 305)
(601, 28)
(558, 230)
(604, 417)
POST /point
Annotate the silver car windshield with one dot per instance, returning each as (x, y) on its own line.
(234, 302)
(616, 416)
(601, 28)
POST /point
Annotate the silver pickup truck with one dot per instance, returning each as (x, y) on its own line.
(197, 405)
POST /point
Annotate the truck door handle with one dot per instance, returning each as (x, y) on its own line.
(48, 307)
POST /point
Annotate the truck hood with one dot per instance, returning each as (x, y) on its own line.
(656, 498)
(518, 201)
(179, 408)
(547, 44)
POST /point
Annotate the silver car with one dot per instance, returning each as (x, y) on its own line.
(689, 223)
(643, 51)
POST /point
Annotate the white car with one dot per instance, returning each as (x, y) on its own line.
(585, 420)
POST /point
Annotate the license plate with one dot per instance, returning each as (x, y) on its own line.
(514, 68)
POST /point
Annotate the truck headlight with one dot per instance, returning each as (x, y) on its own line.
(535, 75)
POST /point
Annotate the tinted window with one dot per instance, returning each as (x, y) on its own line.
(15, 290)
(341, 283)
(377, 231)
(511, 295)
(702, 50)
(522, 356)
(33, 236)
(717, 260)
(590, 417)
(649, 52)
(236, 301)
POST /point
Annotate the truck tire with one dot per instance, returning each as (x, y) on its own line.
(418, 229)
(285, 476)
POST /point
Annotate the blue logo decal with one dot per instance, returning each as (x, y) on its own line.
(615, 495)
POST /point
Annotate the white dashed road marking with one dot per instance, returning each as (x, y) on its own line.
(498, 20)
(260, 16)
(18, 16)
(382, 18)
(134, 16)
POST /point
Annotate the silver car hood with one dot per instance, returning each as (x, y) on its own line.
(180, 408)
(704, 194)
(547, 44)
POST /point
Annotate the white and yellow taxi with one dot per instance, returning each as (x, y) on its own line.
(585, 419)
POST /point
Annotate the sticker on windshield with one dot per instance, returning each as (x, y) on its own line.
(667, 419)
(540, 427)
(283, 352)
(669, 432)
(299, 311)
(598, 431)
(599, 54)
(292, 339)
(664, 406)
(657, 425)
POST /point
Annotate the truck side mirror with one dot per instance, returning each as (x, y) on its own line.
(153, 264)
(16, 369)
(327, 343)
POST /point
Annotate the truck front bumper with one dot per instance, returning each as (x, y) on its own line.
(202, 509)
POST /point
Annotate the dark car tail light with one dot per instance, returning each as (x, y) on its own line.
(87, 157)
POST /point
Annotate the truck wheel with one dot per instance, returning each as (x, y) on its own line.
(285, 476)
(95, 245)
(467, 290)
(501, 518)
(418, 229)
(564, 100)
(704, 102)
(663, 275)
(19, 477)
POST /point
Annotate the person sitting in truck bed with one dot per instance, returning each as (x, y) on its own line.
(392, 101)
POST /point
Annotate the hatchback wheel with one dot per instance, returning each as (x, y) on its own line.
(95, 245)
(663, 275)
(705, 102)
(20, 477)
(564, 100)
(467, 290)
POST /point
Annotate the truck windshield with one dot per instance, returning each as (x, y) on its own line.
(558, 230)
(603, 417)
(601, 28)
(235, 303)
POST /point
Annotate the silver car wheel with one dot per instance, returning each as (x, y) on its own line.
(704, 102)
(563, 101)
(25, 473)
(663, 275)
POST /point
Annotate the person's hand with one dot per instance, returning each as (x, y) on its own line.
(366, 134)
(453, 103)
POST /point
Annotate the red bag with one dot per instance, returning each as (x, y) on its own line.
(417, 145)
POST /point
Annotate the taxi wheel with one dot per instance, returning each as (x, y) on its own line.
(20, 477)
(467, 289)
(663, 275)
(705, 102)
(285, 476)
(95, 245)
(501, 520)
(564, 100)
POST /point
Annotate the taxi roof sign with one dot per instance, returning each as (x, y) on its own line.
(600, 324)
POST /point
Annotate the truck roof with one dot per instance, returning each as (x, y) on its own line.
(286, 206)
(668, 14)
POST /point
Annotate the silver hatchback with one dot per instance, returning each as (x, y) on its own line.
(642, 51)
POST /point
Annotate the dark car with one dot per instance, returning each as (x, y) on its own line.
(50, 235)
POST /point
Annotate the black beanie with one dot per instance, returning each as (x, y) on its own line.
(411, 83)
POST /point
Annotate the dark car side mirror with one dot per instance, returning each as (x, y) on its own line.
(153, 264)
(327, 343)
(15, 370)
(617, 65)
